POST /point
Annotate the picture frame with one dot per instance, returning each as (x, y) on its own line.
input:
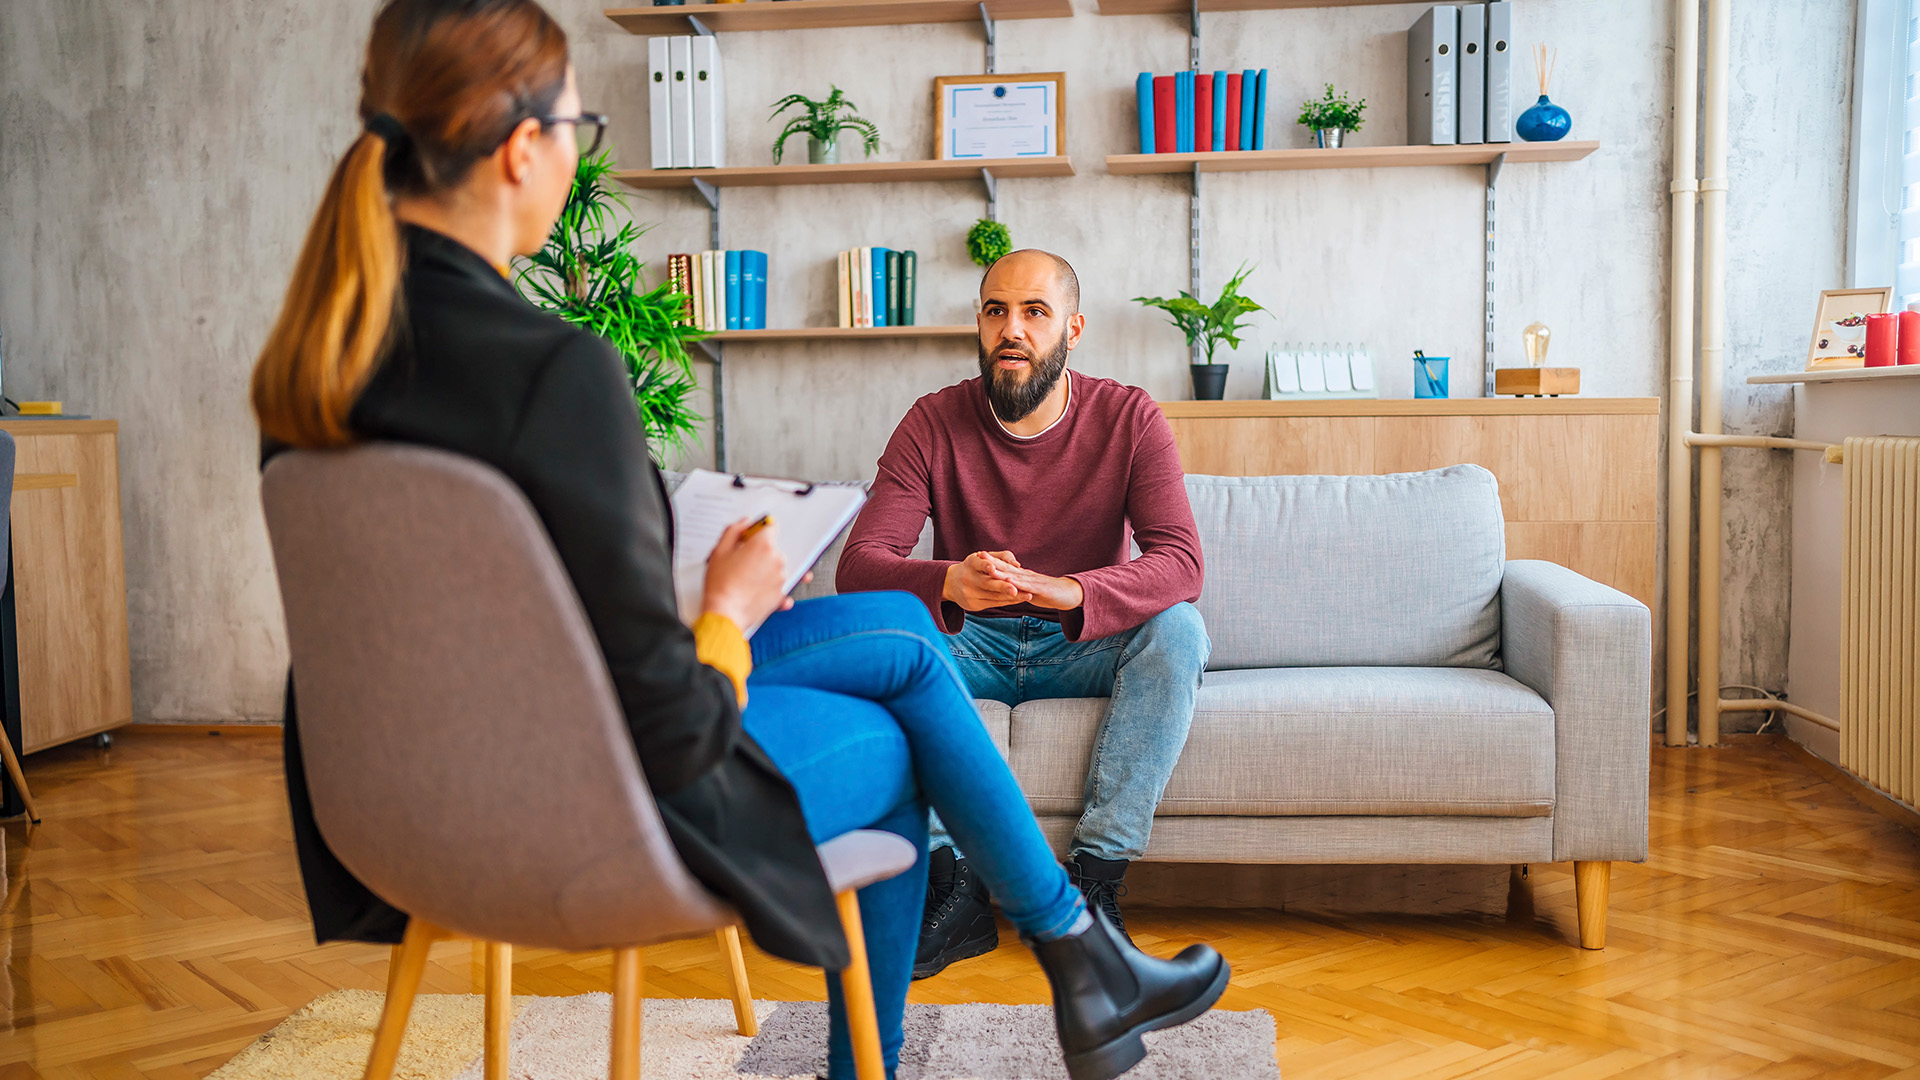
(1840, 326)
(1000, 116)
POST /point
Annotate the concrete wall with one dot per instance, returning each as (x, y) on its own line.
(158, 163)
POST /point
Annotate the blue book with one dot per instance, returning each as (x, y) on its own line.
(1143, 89)
(1183, 112)
(879, 287)
(1219, 110)
(753, 290)
(1249, 94)
(733, 290)
(1260, 114)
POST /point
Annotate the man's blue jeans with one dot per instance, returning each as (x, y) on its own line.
(857, 700)
(1149, 673)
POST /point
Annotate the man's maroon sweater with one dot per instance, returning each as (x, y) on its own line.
(1065, 502)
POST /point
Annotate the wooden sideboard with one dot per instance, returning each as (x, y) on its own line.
(69, 583)
(1579, 479)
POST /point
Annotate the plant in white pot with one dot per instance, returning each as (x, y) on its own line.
(822, 124)
(1206, 326)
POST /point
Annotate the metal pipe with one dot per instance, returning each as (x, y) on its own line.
(1685, 192)
(1713, 336)
(1758, 442)
(1766, 704)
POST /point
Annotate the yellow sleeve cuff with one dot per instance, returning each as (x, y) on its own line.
(720, 645)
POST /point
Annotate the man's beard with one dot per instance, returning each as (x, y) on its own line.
(1014, 399)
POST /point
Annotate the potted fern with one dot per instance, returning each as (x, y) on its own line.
(588, 275)
(822, 124)
(1330, 118)
(1206, 326)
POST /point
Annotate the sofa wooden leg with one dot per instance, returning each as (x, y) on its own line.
(1590, 881)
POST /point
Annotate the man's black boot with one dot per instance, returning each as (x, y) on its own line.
(959, 915)
(1100, 881)
(1106, 994)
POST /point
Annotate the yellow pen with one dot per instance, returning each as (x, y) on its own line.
(763, 521)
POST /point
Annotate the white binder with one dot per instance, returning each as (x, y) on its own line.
(1433, 76)
(1473, 73)
(680, 100)
(1499, 54)
(660, 123)
(709, 112)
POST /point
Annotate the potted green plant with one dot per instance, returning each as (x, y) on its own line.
(988, 240)
(822, 124)
(1330, 117)
(1206, 326)
(588, 275)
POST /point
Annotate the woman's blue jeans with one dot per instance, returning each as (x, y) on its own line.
(858, 701)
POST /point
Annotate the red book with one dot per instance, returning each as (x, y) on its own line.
(1203, 112)
(1233, 112)
(1163, 125)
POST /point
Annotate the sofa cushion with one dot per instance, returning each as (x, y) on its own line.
(1358, 741)
(1334, 571)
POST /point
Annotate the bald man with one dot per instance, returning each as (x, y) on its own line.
(1038, 482)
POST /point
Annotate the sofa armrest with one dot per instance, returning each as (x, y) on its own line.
(1588, 650)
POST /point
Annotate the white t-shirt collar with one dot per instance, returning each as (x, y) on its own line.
(1056, 420)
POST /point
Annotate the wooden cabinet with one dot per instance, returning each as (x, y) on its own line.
(69, 581)
(1579, 480)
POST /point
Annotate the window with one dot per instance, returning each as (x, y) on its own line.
(1884, 208)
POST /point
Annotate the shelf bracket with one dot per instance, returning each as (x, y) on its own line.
(986, 26)
(1193, 35)
(700, 29)
(993, 194)
(1493, 182)
(712, 195)
(1193, 251)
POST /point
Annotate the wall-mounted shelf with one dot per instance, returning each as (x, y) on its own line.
(844, 333)
(1347, 157)
(1859, 374)
(852, 172)
(822, 14)
(1183, 7)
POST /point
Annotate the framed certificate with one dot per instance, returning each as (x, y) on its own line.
(1000, 116)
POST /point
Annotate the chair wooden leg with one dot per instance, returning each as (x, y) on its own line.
(499, 1024)
(19, 778)
(1590, 881)
(856, 987)
(737, 967)
(627, 990)
(403, 979)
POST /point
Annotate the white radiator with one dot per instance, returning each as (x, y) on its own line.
(1880, 615)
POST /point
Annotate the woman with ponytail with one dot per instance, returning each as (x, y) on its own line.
(399, 324)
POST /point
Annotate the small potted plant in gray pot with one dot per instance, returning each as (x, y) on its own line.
(1206, 326)
(822, 124)
(1330, 118)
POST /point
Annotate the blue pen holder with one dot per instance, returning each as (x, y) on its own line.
(1430, 376)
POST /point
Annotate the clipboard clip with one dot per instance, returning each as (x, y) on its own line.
(802, 491)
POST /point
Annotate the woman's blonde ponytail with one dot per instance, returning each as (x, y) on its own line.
(339, 309)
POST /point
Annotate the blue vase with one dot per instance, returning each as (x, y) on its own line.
(1545, 122)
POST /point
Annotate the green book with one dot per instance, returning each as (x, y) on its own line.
(908, 263)
(893, 288)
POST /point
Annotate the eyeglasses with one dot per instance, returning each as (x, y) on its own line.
(596, 123)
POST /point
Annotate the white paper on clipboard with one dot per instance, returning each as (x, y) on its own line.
(808, 518)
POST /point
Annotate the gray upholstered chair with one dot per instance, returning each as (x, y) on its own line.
(465, 752)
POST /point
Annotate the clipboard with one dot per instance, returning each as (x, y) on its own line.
(809, 516)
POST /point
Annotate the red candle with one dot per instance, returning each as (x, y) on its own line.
(1882, 330)
(1907, 349)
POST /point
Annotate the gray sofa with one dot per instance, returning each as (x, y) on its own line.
(1385, 687)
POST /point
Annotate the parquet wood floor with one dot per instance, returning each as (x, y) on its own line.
(154, 925)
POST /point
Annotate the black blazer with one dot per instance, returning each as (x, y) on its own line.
(477, 370)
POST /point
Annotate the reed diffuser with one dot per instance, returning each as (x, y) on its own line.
(1545, 122)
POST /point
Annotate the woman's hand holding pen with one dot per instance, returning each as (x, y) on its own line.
(746, 574)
